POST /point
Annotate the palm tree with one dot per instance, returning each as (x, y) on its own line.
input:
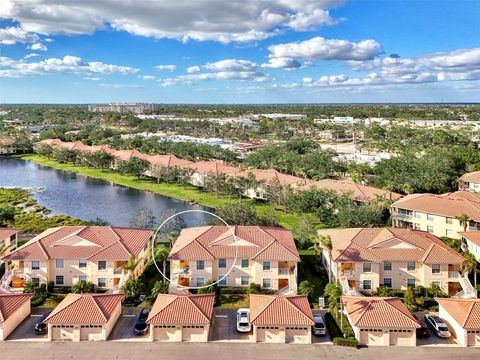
(131, 264)
(306, 288)
(132, 288)
(159, 287)
(469, 265)
(325, 242)
(334, 293)
(83, 287)
(161, 253)
(463, 219)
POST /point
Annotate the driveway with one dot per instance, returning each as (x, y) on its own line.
(323, 340)
(225, 327)
(25, 331)
(123, 329)
(434, 340)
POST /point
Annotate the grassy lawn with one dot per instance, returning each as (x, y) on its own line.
(52, 301)
(306, 252)
(177, 191)
(311, 269)
(233, 301)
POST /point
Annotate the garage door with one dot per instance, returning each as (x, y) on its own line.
(193, 333)
(90, 332)
(297, 335)
(401, 338)
(371, 337)
(473, 338)
(268, 334)
(63, 332)
(165, 333)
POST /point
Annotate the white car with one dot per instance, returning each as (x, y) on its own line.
(319, 327)
(438, 325)
(243, 321)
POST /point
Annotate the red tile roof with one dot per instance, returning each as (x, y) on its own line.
(471, 177)
(389, 244)
(167, 161)
(466, 312)
(7, 232)
(182, 309)
(270, 176)
(84, 242)
(85, 309)
(379, 312)
(280, 310)
(473, 236)
(10, 303)
(212, 167)
(254, 242)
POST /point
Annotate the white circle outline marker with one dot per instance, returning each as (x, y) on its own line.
(194, 211)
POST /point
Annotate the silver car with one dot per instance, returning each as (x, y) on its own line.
(243, 321)
(438, 326)
(319, 327)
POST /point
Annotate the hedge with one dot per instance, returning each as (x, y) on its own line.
(349, 341)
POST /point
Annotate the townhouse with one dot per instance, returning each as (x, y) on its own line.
(252, 254)
(363, 259)
(8, 239)
(472, 241)
(202, 169)
(66, 255)
(14, 308)
(470, 182)
(438, 214)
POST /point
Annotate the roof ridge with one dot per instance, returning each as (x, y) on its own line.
(468, 314)
(198, 308)
(274, 240)
(94, 299)
(287, 298)
(272, 299)
(54, 314)
(403, 314)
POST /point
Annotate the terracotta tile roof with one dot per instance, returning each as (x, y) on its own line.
(471, 177)
(443, 205)
(466, 312)
(389, 244)
(212, 167)
(73, 145)
(473, 236)
(51, 142)
(270, 176)
(84, 242)
(358, 192)
(9, 304)
(167, 161)
(253, 242)
(124, 155)
(7, 232)
(85, 309)
(280, 310)
(182, 309)
(6, 141)
(378, 312)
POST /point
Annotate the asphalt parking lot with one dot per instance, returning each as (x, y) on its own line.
(225, 327)
(123, 329)
(25, 331)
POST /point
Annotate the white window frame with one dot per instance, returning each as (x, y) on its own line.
(248, 263)
(35, 265)
(387, 262)
(222, 280)
(391, 282)
(269, 266)
(82, 263)
(202, 266)
(437, 270)
(57, 277)
(199, 283)
(414, 266)
(243, 278)
(264, 280)
(82, 278)
(59, 264)
(100, 267)
(363, 267)
(367, 280)
(222, 263)
(414, 283)
(100, 285)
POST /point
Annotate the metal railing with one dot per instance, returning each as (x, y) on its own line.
(453, 274)
(283, 271)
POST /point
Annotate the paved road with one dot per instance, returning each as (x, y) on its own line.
(221, 351)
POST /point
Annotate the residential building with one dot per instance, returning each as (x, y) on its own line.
(463, 318)
(472, 241)
(8, 239)
(363, 259)
(122, 108)
(437, 214)
(7, 145)
(251, 254)
(380, 321)
(281, 319)
(279, 116)
(14, 308)
(203, 169)
(84, 317)
(470, 182)
(165, 162)
(181, 318)
(68, 254)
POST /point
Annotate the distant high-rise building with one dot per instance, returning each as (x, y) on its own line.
(122, 108)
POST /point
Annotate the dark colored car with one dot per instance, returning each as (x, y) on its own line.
(423, 331)
(141, 326)
(41, 327)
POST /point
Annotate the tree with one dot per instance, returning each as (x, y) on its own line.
(161, 253)
(304, 231)
(469, 265)
(132, 288)
(306, 288)
(253, 289)
(100, 159)
(143, 219)
(131, 264)
(44, 150)
(29, 287)
(134, 166)
(463, 219)
(243, 214)
(82, 287)
(7, 214)
(208, 288)
(325, 243)
(333, 293)
(159, 287)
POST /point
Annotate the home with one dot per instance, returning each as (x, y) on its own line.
(14, 308)
(8, 239)
(68, 254)
(363, 259)
(472, 241)
(281, 319)
(203, 169)
(181, 317)
(235, 256)
(7, 145)
(441, 215)
(81, 317)
(470, 181)
(380, 321)
(463, 318)
(164, 162)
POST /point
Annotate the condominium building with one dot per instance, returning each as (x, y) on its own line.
(470, 182)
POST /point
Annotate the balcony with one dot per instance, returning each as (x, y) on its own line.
(403, 217)
(283, 272)
(454, 275)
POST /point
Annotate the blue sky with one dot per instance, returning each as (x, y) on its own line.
(240, 51)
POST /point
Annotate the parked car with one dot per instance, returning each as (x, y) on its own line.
(41, 327)
(438, 326)
(243, 321)
(423, 331)
(141, 326)
(319, 327)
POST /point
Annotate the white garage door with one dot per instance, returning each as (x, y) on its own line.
(268, 334)
(90, 332)
(371, 337)
(193, 333)
(297, 335)
(401, 337)
(473, 338)
(63, 332)
(164, 333)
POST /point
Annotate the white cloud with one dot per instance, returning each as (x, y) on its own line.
(148, 77)
(193, 69)
(28, 56)
(92, 78)
(49, 40)
(319, 48)
(218, 20)
(38, 46)
(12, 35)
(166, 67)
(231, 65)
(282, 63)
(68, 65)
(120, 86)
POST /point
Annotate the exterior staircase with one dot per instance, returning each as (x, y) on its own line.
(5, 282)
(468, 291)
(346, 289)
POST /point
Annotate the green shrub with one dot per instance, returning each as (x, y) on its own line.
(232, 290)
(349, 341)
(62, 290)
(38, 299)
(253, 289)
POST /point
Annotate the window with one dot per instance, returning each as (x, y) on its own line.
(82, 263)
(200, 264)
(449, 233)
(59, 279)
(430, 229)
(387, 282)
(200, 281)
(35, 265)
(102, 282)
(367, 267)
(429, 217)
(435, 268)
(102, 265)
(222, 280)
(417, 226)
(411, 283)
(36, 282)
(387, 266)
(367, 284)
(417, 215)
(59, 263)
(411, 266)
(245, 264)
(266, 266)
(245, 281)
(222, 263)
(449, 220)
(82, 278)
(267, 283)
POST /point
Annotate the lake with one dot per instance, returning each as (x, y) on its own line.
(65, 192)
